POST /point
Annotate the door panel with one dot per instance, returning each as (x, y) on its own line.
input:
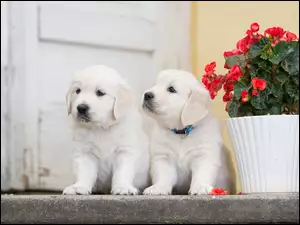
(74, 25)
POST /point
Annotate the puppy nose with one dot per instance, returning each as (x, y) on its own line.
(82, 108)
(148, 96)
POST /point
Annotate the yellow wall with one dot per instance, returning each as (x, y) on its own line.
(217, 26)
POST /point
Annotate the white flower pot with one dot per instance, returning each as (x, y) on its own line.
(267, 152)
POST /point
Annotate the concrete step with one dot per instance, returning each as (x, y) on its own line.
(275, 208)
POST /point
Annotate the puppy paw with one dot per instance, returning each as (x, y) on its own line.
(157, 190)
(200, 189)
(124, 190)
(76, 189)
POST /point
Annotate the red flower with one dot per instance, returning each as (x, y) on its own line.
(249, 33)
(276, 41)
(204, 79)
(227, 54)
(218, 191)
(259, 36)
(259, 84)
(281, 39)
(291, 36)
(236, 70)
(228, 86)
(212, 94)
(210, 67)
(255, 92)
(245, 96)
(252, 41)
(216, 85)
(244, 93)
(242, 44)
(231, 53)
(213, 83)
(226, 66)
(228, 96)
(234, 73)
(207, 79)
(226, 107)
(277, 32)
(236, 52)
(254, 27)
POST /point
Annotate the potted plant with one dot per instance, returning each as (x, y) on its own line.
(262, 99)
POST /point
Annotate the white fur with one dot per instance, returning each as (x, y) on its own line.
(194, 163)
(111, 150)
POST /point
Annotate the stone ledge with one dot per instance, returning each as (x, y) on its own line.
(144, 209)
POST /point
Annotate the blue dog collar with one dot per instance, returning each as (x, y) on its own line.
(185, 130)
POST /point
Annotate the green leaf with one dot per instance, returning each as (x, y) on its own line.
(245, 109)
(261, 112)
(276, 109)
(291, 62)
(276, 90)
(288, 99)
(265, 54)
(249, 113)
(281, 76)
(253, 70)
(295, 79)
(260, 101)
(264, 74)
(238, 88)
(236, 60)
(259, 46)
(261, 68)
(233, 108)
(265, 66)
(280, 51)
(292, 90)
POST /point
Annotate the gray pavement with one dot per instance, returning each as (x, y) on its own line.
(271, 208)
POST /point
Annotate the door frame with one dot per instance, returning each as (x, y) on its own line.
(21, 120)
(4, 96)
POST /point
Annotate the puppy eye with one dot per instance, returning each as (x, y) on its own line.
(78, 91)
(171, 89)
(99, 93)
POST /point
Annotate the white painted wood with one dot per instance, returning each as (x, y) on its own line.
(74, 25)
(145, 10)
(4, 96)
(173, 39)
(52, 40)
(23, 119)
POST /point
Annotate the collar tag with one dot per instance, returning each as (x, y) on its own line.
(185, 131)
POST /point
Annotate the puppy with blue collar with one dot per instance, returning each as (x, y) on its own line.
(186, 142)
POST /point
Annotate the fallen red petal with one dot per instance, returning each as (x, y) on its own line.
(218, 191)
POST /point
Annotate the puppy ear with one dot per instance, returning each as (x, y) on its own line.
(68, 100)
(196, 108)
(124, 100)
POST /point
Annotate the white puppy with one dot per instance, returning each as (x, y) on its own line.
(111, 149)
(186, 146)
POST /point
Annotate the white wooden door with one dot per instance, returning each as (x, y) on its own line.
(52, 40)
